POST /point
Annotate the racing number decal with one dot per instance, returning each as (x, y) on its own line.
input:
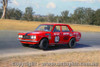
(57, 39)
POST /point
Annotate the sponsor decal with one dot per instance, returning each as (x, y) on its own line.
(65, 33)
(71, 34)
(47, 34)
(78, 37)
(57, 39)
(49, 37)
(56, 33)
(66, 38)
(74, 33)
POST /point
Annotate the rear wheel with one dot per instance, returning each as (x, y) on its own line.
(44, 44)
(25, 45)
(72, 43)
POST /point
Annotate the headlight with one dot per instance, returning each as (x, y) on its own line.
(33, 37)
(20, 36)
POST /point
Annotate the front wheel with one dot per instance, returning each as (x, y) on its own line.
(43, 44)
(25, 45)
(72, 43)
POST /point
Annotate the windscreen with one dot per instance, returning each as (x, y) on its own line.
(44, 28)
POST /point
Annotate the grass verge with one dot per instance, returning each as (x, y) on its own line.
(49, 60)
(30, 26)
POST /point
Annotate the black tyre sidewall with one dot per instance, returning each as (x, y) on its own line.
(43, 44)
(70, 43)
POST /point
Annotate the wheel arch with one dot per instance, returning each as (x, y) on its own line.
(43, 38)
(71, 38)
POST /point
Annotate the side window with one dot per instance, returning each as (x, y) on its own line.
(56, 29)
(65, 29)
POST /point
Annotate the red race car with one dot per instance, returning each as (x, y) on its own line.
(50, 34)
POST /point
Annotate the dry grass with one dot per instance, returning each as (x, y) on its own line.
(85, 28)
(75, 57)
(30, 26)
(18, 25)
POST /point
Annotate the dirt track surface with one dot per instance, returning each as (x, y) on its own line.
(10, 46)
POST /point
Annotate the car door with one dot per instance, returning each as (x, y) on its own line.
(57, 37)
(65, 34)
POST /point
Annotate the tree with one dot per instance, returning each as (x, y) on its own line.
(50, 17)
(13, 13)
(5, 3)
(97, 17)
(83, 16)
(28, 15)
(89, 16)
(0, 12)
(64, 16)
(78, 15)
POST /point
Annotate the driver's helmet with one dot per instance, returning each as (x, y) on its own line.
(47, 27)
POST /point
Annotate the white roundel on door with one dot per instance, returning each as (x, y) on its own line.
(57, 39)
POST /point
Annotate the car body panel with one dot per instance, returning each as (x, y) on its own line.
(53, 37)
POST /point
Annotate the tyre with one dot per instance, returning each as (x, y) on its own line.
(25, 45)
(72, 43)
(43, 44)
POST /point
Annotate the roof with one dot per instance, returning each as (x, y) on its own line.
(54, 24)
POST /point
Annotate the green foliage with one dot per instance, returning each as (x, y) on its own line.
(97, 17)
(13, 13)
(28, 15)
(81, 15)
(50, 18)
(40, 18)
(89, 16)
(78, 15)
(64, 16)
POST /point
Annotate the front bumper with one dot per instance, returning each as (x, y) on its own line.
(28, 41)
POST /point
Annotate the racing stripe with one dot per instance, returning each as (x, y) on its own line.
(27, 33)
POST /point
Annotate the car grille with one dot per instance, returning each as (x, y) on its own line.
(26, 37)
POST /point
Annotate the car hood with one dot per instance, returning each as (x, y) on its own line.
(34, 33)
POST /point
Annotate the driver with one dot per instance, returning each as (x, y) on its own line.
(47, 28)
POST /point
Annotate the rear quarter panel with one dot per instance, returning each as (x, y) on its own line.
(77, 35)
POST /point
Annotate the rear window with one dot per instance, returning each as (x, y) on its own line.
(65, 29)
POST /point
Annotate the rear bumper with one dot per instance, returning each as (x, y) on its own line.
(29, 41)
